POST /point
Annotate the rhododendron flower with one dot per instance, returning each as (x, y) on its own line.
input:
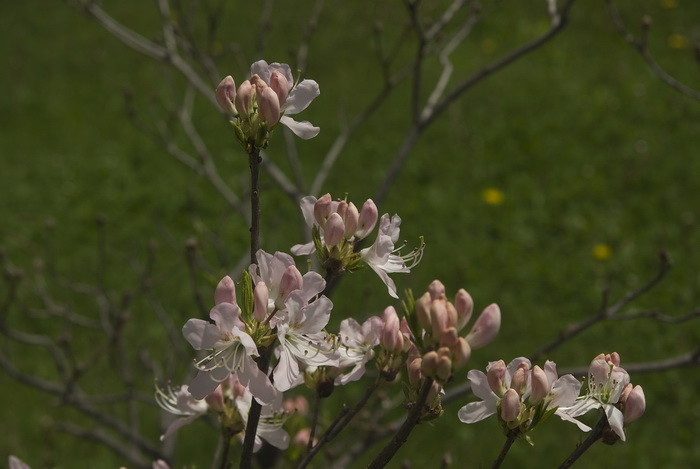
(384, 258)
(606, 383)
(357, 342)
(179, 402)
(302, 339)
(232, 351)
(272, 417)
(292, 98)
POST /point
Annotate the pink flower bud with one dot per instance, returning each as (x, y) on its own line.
(244, 97)
(423, 312)
(226, 95)
(334, 231)
(268, 104)
(485, 328)
(461, 351)
(613, 358)
(302, 437)
(414, 373)
(464, 306)
(341, 208)
(291, 280)
(391, 338)
(351, 220)
(520, 378)
(430, 362)
(215, 400)
(261, 295)
(443, 369)
(448, 337)
(225, 291)
(367, 219)
(280, 85)
(495, 376)
(634, 405)
(540, 385)
(510, 406)
(436, 290)
(438, 318)
(322, 208)
(451, 314)
(406, 332)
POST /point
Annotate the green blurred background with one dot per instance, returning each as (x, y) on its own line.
(563, 175)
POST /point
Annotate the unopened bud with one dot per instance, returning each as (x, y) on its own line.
(351, 220)
(367, 219)
(291, 280)
(519, 380)
(540, 386)
(334, 231)
(495, 376)
(510, 406)
(485, 328)
(268, 104)
(322, 208)
(448, 337)
(280, 85)
(430, 361)
(436, 290)
(225, 291)
(244, 96)
(464, 306)
(634, 405)
(443, 369)
(391, 337)
(215, 400)
(423, 311)
(226, 95)
(414, 371)
(438, 318)
(461, 351)
(261, 295)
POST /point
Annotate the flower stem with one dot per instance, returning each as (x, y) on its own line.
(265, 354)
(512, 436)
(594, 436)
(401, 435)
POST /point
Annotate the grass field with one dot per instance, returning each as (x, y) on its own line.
(563, 175)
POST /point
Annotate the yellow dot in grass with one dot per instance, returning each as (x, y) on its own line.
(677, 41)
(668, 3)
(602, 252)
(492, 196)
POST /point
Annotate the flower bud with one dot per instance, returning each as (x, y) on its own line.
(322, 208)
(464, 306)
(613, 358)
(519, 380)
(226, 95)
(438, 318)
(334, 231)
(268, 104)
(341, 208)
(414, 373)
(351, 220)
(461, 351)
(391, 338)
(429, 364)
(510, 406)
(495, 376)
(406, 332)
(423, 311)
(451, 315)
(448, 337)
(635, 404)
(225, 291)
(540, 385)
(443, 369)
(485, 328)
(261, 295)
(244, 96)
(436, 290)
(291, 280)
(280, 85)
(367, 219)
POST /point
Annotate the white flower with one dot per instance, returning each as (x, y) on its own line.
(232, 352)
(356, 346)
(298, 98)
(272, 417)
(16, 463)
(606, 382)
(302, 339)
(179, 402)
(382, 256)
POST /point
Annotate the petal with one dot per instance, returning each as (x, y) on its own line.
(257, 382)
(307, 209)
(303, 249)
(316, 316)
(287, 371)
(615, 420)
(391, 286)
(177, 424)
(227, 317)
(261, 69)
(568, 418)
(202, 385)
(476, 411)
(564, 391)
(480, 386)
(304, 129)
(277, 437)
(313, 284)
(300, 97)
(201, 334)
(284, 69)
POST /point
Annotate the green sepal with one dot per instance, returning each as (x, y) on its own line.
(247, 307)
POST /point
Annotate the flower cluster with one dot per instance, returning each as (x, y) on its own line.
(265, 99)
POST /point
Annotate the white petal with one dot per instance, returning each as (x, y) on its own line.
(568, 418)
(201, 334)
(277, 437)
(261, 69)
(564, 391)
(256, 382)
(300, 97)
(177, 424)
(476, 411)
(303, 249)
(480, 386)
(304, 129)
(307, 209)
(615, 420)
(202, 385)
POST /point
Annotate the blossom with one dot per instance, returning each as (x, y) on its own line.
(272, 417)
(16, 463)
(232, 351)
(292, 98)
(384, 258)
(357, 342)
(606, 383)
(179, 401)
(302, 339)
